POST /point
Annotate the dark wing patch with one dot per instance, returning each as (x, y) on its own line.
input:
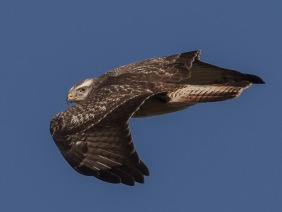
(102, 146)
(185, 68)
(107, 153)
(203, 73)
(164, 69)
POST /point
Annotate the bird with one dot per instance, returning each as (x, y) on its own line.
(93, 134)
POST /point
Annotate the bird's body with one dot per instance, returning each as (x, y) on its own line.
(94, 135)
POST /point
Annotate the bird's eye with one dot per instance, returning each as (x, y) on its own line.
(82, 90)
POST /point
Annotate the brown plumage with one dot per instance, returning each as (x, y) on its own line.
(94, 136)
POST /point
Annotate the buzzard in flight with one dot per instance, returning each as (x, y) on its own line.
(94, 136)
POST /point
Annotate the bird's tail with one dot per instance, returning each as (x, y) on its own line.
(208, 93)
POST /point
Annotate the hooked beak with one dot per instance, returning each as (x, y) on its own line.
(69, 98)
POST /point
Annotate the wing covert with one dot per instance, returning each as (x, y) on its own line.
(174, 68)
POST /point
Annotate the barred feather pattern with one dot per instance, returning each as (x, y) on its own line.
(94, 135)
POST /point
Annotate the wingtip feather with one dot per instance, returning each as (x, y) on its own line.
(254, 79)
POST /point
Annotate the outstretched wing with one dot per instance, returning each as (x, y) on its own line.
(206, 74)
(94, 135)
(174, 68)
(184, 68)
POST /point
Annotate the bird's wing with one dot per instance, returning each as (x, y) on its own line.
(94, 136)
(184, 68)
(174, 68)
(204, 74)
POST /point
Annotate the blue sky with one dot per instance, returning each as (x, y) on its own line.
(212, 157)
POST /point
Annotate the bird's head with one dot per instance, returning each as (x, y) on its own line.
(80, 90)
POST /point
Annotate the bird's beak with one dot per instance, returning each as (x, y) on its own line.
(69, 98)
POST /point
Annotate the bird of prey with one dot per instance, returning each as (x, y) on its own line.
(94, 136)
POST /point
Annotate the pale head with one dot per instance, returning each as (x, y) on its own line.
(80, 90)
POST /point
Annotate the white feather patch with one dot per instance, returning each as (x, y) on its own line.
(86, 83)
